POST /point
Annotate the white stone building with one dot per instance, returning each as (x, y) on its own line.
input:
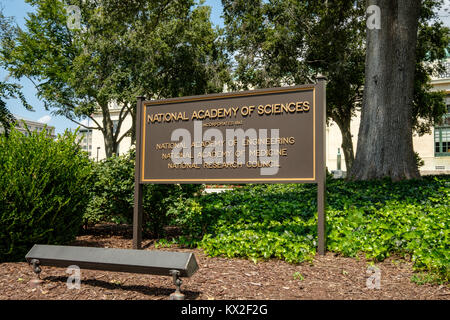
(32, 126)
(85, 139)
(97, 143)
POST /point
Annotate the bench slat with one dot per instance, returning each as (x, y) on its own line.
(119, 260)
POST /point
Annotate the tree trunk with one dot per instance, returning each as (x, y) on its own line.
(133, 126)
(385, 146)
(108, 133)
(347, 143)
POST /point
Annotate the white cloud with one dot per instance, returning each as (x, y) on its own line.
(45, 119)
(85, 122)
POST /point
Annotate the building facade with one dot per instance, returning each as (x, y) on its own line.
(98, 143)
(85, 140)
(22, 123)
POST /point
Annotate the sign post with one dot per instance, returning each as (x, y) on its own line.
(321, 167)
(138, 187)
(260, 136)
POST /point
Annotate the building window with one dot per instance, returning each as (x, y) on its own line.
(115, 125)
(442, 136)
(442, 141)
(446, 73)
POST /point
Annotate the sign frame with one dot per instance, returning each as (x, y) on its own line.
(319, 147)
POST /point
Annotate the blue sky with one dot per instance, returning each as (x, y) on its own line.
(19, 9)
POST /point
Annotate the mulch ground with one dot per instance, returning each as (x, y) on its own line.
(327, 277)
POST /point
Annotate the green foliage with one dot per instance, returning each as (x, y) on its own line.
(159, 200)
(112, 193)
(44, 189)
(191, 218)
(433, 39)
(113, 196)
(419, 161)
(291, 41)
(425, 278)
(298, 276)
(378, 218)
(124, 49)
(8, 90)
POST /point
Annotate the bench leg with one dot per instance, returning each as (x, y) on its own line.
(35, 265)
(177, 295)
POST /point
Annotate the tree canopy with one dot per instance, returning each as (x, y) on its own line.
(290, 41)
(112, 52)
(8, 90)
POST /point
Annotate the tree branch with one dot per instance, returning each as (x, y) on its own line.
(98, 124)
(124, 135)
(122, 116)
(87, 127)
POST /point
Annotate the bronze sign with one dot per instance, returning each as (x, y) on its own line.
(260, 136)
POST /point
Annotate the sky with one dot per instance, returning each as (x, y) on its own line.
(19, 9)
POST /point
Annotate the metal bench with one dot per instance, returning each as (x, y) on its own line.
(175, 264)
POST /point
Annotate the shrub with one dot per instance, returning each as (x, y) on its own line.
(191, 219)
(44, 188)
(378, 218)
(113, 194)
(160, 204)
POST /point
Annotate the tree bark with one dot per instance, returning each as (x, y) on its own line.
(108, 132)
(385, 146)
(133, 126)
